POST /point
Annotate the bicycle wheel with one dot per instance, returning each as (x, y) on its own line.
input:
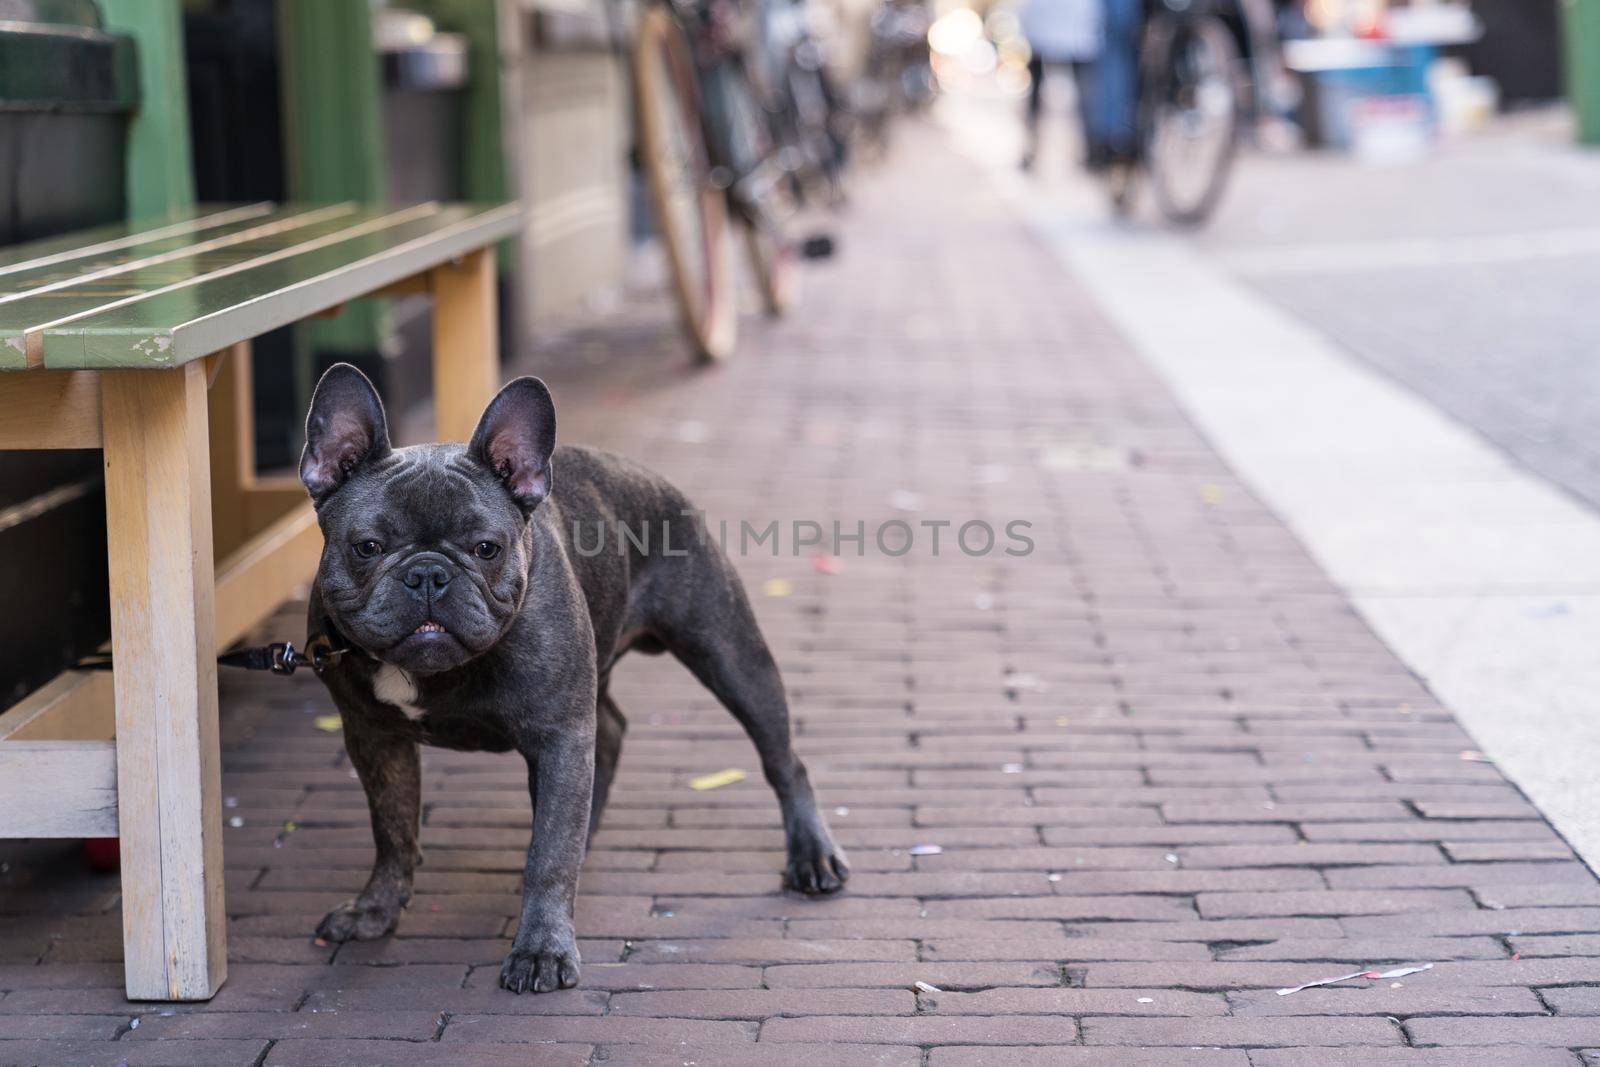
(691, 212)
(1192, 110)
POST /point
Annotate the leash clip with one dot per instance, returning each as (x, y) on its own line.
(321, 653)
(285, 657)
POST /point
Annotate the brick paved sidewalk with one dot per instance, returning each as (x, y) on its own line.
(1168, 769)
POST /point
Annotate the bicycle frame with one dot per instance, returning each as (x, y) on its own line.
(739, 152)
(721, 38)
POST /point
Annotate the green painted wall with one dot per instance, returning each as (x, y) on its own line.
(160, 175)
(331, 100)
(484, 173)
(1582, 29)
(484, 167)
(333, 131)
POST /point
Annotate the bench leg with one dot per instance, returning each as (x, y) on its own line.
(158, 515)
(232, 421)
(466, 351)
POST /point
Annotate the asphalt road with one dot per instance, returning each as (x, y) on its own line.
(1471, 278)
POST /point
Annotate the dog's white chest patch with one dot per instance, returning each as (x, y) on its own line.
(394, 686)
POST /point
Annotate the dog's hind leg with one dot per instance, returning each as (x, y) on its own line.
(609, 728)
(724, 649)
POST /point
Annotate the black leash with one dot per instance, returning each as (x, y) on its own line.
(280, 657)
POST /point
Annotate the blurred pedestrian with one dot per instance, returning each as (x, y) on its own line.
(1060, 33)
(1111, 120)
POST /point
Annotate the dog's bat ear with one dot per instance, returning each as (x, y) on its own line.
(515, 439)
(345, 428)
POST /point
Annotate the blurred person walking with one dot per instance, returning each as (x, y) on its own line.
(1060, 33)
(1111, 122)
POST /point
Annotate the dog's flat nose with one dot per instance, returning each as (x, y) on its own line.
(427, 573)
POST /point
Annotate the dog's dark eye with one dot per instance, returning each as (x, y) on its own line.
(486, 550)
(366, 549)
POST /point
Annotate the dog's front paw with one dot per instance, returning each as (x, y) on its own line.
(358, 920)
(816, 865)
(551, 964)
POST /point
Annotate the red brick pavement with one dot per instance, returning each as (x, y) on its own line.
(1169, 769)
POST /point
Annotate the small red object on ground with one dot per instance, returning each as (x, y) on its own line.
(103, 853)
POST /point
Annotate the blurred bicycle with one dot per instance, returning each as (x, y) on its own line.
(806, 114)
(710, 164)
(1205, 70)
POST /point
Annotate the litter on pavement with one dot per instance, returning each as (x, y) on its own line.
(717, 779)
(905, 500)
(1400, 972)
(1020, 681)
(692, 432)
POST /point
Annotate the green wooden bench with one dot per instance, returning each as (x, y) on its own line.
(135, 340)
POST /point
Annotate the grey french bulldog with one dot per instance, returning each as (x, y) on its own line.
(473, 621)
